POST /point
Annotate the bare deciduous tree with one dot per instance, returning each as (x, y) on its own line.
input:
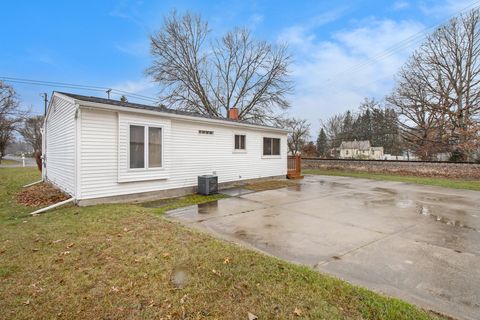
(333, 128)
(299, 132)
(210, 77)
(31, 131)
(8, 116)
(438, 90)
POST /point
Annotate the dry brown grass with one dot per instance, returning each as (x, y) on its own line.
(118, 261)
(269, 184)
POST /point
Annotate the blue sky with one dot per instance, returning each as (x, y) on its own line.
(339, 47)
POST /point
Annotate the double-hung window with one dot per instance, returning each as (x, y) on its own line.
(145, 147)
(240, 142)
(271, 146)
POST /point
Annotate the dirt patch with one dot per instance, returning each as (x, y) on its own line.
(42, 194)
(269, 185)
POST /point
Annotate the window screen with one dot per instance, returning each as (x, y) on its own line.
(239, 142)
(276, 147)
(267, 146)
(154, 147)
(137, 147)
(271, 146)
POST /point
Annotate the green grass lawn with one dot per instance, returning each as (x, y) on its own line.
(8, 162)
(441, 182)
(129, 261)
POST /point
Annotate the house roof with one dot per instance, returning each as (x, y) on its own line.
(159, 109)
(360, 145)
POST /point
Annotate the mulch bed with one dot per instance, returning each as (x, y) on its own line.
(42, 194)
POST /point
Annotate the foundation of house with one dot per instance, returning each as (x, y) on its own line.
(164, 194)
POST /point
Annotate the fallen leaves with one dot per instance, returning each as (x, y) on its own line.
(251, 316)
(297, 312)
(42, 194)
(184, 298)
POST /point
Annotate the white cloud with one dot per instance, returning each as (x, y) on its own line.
(334, 75)
(400, 5)
(129, 10)
(301, 34)
(136, 86)
(254, 20)
(143, 86)
(446, 7)
(136, 48)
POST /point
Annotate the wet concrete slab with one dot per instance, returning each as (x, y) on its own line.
(235, 192)
(419, 243)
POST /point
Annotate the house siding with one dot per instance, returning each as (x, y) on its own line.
(187, 154)
(60, 144)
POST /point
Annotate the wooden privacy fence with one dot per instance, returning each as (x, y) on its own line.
(294, 167)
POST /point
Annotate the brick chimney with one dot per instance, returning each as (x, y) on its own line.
(233, 113)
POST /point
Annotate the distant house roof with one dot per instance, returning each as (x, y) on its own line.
(360, 145)
(160, 109)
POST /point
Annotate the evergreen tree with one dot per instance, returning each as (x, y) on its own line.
(322, 144)
(347, 129)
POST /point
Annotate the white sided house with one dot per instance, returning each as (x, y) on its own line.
(360, 150)
(101, 150)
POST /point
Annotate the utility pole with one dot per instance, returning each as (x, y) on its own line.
(45, 101)
(108, 93)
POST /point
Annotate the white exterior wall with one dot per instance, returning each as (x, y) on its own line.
(187, 154)
(60, 144)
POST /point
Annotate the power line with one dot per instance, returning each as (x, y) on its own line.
(405, 42)
(77, 86)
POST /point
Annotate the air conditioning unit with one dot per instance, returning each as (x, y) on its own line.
(207, 184)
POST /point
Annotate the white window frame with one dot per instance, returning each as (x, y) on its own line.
(273, 156)
(146, 147)
(239, 150)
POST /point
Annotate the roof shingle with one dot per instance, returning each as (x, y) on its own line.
(160, 108)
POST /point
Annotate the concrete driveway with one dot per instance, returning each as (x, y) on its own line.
(418, 243)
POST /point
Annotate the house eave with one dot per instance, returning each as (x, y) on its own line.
(103, 106)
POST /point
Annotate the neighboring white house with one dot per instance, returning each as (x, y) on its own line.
(101, 150)
(360, 150)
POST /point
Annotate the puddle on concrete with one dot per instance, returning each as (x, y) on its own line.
(385, 190)
(296, 187)
(205, 208)
(240, 233)
(404, 203)
(236, 192)
(425, 211)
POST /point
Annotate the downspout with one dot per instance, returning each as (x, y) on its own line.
(44, 148)
(53, 206)
(78, 123)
